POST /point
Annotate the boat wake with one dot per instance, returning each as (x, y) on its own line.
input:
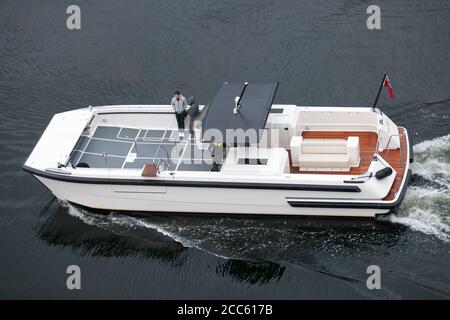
(117, 223)
(426, 206)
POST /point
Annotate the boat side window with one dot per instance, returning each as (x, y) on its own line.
(252, 161)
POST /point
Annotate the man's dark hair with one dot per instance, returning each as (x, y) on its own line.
(177, 92)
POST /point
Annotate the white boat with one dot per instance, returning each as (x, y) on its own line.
(302, 160)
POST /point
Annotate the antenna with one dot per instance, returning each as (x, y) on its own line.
(237, 100)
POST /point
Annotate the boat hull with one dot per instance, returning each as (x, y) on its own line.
(208, 200)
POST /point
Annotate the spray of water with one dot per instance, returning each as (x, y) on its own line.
(426, 206)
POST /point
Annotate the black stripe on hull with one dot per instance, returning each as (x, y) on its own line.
(354, 205)
(193, 184)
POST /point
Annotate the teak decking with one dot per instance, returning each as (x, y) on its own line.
(367, 145)
(398, 161)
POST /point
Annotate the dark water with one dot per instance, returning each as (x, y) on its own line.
(138, 52)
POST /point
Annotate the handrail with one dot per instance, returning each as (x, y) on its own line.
(167, 158)
(387, 145)
(389, 141)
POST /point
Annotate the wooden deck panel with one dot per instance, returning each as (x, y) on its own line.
(398, 161)
(367, 145)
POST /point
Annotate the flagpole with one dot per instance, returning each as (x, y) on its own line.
(379, 91)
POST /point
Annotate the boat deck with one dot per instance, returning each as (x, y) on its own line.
(367, 143)
(131, 148)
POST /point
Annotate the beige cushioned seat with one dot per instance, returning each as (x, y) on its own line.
(325, 154)
(329, 161)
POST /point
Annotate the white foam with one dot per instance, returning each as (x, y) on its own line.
(430, 145)
(433, 170)
(433, 159)
(426, 209)
(424, 221)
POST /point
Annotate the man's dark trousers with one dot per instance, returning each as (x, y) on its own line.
(180, 119)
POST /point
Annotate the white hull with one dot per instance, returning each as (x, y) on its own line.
(193, 200)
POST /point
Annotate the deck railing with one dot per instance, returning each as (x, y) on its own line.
(399, 135)
(165, 162)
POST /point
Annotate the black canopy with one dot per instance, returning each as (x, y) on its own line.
(253, 107)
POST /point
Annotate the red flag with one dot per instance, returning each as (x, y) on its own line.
(387, 83)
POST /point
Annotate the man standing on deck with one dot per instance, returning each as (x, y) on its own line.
(193, 111)
(179, 105)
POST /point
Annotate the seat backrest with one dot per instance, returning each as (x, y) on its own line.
(323, 146)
